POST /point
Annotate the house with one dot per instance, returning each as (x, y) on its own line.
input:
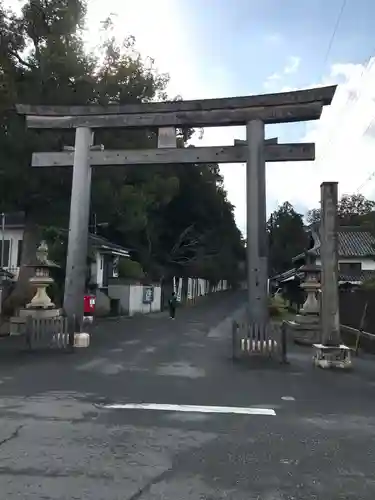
(11, 239)
(356, 257)
(103, 267)
(112, 293)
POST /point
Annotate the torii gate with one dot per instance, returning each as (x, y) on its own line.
(253, 111)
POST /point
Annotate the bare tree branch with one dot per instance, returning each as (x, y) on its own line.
(191, 248)
(19, 58)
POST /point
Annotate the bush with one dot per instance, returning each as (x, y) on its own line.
(273, 310)
(130, 269)
(276, 306)
(368, 284)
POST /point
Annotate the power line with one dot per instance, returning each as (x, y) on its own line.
(332, 39)
(333, 36)
(351, 99)
(369, 178)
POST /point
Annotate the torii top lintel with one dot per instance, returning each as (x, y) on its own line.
(300, 105)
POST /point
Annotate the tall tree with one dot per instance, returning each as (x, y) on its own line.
(351, 210)
(43, 61)
(56, 70)
(287, 237)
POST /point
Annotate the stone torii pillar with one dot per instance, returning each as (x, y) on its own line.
(75, 276)
(79, 217)
(256, 220)
(256, 225)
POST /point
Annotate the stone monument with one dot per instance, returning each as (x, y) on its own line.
(330, 352)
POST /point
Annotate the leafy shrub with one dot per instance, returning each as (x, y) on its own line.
(130, 269)
(273, 310)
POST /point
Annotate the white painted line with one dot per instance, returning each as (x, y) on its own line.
(288, 398)
(192, 408)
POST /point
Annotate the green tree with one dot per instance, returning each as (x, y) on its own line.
(43, 61)
(56, 70)
(287, 238)
(351, 210)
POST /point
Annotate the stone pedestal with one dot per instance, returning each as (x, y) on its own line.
(17, 324)
(306, 325)
(332, 356)
(305, 330)
(40, 313)
(41, 306)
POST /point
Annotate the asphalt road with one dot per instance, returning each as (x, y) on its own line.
(60, 440)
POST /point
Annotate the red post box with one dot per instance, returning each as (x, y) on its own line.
(89, 307)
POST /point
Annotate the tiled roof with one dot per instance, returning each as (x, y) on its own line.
(17, 219)
(343, 277)
(352, 242)
(361, 276)
(285, 275)
(14, 219)
(4, 273)
(104, 244)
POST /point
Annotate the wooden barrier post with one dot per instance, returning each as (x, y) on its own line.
(284, 344)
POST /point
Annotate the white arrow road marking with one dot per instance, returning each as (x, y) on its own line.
(192, 408)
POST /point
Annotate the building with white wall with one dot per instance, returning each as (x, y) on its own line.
(103, 267)
(356, 256)
(11, 239)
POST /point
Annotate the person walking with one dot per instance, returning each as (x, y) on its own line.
(172, 303)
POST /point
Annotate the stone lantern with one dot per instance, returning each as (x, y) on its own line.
(42, 279)
(40, 306)
(311, 285)
(306, 325)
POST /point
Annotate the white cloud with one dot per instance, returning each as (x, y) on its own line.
(234, 173)
(272, 80)
(345, 147)
(159, 31)
(345, 144)
(292, 65)
(273, 38)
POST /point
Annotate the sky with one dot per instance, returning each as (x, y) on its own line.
(217, 48)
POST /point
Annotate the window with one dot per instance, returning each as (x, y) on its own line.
(350, 268)
(19, 253)
(5, 263)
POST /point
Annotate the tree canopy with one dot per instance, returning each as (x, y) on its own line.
(175, 218)
(351, 210)
(287, 238)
